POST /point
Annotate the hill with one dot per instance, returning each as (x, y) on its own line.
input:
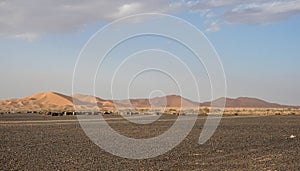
(87, 101)
(170, 101)
(52, 101)
(41, 101)
(245, 102)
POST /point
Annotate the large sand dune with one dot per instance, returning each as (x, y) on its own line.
(52, 101)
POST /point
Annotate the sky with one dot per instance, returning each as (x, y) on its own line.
(257, 42)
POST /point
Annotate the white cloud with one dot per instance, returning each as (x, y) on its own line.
(213, 26)
(128, 9)
(250, 11)
(32, 18)
(263, 13)
(27, 36)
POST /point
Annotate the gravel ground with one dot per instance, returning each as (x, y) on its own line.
(240, 143)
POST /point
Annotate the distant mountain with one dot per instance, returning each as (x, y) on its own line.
(52, 101)
(245, 102)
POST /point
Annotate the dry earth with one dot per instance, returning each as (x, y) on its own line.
(35, 142)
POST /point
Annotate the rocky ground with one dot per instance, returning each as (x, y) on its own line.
(35, 142)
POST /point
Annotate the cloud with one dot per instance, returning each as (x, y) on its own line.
(32, 19)
(213, 26)
(263, 13)
(27, 36)
(259, 12)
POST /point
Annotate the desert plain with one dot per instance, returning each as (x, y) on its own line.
(248, 142)
(252, 135)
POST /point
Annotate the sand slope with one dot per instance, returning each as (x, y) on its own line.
(170, 101)
(245, 102)
(41, 101)
(87, 101)
(52, 101)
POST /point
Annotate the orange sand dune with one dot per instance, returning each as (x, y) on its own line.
(52, 101)
(49, 98)
(175, 101)
(41, 101)
(86, 101)
(170, 101)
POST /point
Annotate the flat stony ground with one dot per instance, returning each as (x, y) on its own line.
(240, 143)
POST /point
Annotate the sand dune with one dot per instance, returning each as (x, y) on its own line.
(52, 101)
(245, 102)
(49, 98)
(170, 101)
(92, 101)
(40, 101)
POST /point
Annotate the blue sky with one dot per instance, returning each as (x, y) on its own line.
(257, 41)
